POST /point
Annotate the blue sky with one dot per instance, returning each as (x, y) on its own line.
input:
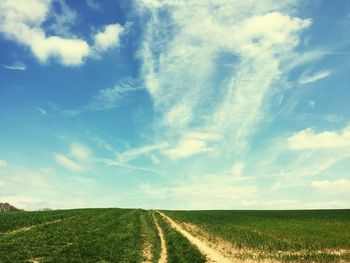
(175, 104)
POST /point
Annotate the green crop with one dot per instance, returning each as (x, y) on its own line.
(150, 235)
(179, 249)
(91, 235)
(301, 236)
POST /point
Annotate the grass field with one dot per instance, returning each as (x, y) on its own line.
(300, 236)
(131, 235)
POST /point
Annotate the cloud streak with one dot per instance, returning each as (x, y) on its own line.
(16, 66)
(306, 79)
(68, 163)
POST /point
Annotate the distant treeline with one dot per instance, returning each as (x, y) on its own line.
(8, 207)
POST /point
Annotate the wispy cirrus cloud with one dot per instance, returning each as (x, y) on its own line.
(16, 66)
(309, 78)
(181, 65)
(78, 159)
(68, 163)
(134, 153)
(108, 98)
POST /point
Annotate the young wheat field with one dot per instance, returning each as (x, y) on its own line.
(135, 235)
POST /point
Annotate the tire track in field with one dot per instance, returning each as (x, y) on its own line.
(27, 228)
(163, 254)
(211, 254)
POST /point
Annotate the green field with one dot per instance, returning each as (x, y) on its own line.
(178, 247)
(131, 235)
(300, 236)
(91, 235)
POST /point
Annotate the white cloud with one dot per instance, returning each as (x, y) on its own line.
(63, 20)
(182, 71)
(305, 79)
(192, 143)
(80, 152)
(309, 139)
(111, 95)
(3, 163)
(68, 163)
(188, 147)
(334, 187)
(16, 66)
(129, 167)
(69, 52)
(109, 37)
(22, 21)
(130, 155)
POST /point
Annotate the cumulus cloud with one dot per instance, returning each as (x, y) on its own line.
(309, 139)
(22, 21)
(305, 79)
(68, 163)
(16, 66)
(109, 37)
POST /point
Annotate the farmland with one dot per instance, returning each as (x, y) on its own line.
(298, 236)
(92, 235)
(132, 235)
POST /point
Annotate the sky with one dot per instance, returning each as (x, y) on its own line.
(175, 104)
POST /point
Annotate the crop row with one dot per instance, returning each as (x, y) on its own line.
(99, 235)
(318, 236)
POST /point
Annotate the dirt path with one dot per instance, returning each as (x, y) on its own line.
(163, 254)
(147, 253)
(211, 254)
